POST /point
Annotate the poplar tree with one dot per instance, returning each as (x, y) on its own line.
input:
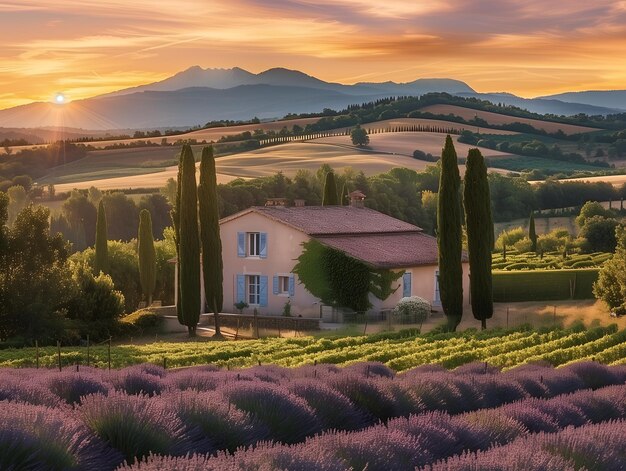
(102, 251)
(330, 190)
(532, 233)
(449, 236)
(479, 224)
(189, 259)
(147, 255)
(212, 264)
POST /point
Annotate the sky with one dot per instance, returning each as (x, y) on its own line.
(83, 48)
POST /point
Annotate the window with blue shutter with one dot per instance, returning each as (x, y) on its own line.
(406, 285)
(292, 285)
(241, 288)
(275, 285)
(241, 244)
(263, 292)
(263, 245)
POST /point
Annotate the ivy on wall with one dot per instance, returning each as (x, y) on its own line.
(340, 280)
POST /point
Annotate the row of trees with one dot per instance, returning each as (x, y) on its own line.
(479, 227)
(196, 226)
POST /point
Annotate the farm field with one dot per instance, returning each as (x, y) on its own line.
(543, 225)
(498, 119)
(398, 350)
(134, 168)
(406, 142)
(321, 417)
(615, 180)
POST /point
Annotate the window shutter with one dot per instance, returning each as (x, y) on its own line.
(263, 245)
(241, 288)
(275, 290)
(292, 285)
(263, 291)
(406, 285)
(241, 244)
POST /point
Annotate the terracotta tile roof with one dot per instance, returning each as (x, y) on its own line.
(327, 220)
(387, 250)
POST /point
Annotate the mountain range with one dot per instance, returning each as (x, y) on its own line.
(196, 96)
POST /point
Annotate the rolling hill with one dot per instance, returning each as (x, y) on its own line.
(606, 98)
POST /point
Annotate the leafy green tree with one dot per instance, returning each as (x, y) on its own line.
(599, 234)
(189, 244)
(212, 265)
(175, 214)
(146, 255)
(591, 209)
(159, 212)
(169, 191)
(359, 137)
(449, 237)
(480, 241)
(532, 233)
(330, 190)
(102, 240)
(81, 216)
(611, 284)
(122, 214)
(18, 199)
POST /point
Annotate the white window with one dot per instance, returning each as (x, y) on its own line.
(283, 285)
(254, 289)
(254, 244)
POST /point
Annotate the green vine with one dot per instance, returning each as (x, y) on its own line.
(340, 280)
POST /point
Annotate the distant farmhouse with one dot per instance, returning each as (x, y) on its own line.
(261, 245)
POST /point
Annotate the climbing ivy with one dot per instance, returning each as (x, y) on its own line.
(340, 280)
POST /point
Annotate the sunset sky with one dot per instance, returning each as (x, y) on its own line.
(84, 48)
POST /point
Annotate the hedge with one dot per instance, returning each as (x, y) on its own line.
(543, 285)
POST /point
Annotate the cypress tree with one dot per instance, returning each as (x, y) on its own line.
(175, 215)
(344, 195)
(479, 223)
(330, 190)
(212, 264)
(147, 255)
(189, 259)
(532, 234)
(102, 251)
(449, 236)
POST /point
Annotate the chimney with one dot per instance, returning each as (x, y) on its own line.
(357, 199)
(299, 203)
(276, 202)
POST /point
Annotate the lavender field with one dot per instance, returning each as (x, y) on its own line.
(316, 417)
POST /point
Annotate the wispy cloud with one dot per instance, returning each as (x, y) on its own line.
(87, 47)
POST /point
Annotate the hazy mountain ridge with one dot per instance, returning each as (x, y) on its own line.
(604, 98)
(196, 95)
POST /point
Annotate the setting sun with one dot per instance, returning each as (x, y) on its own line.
(59, 98)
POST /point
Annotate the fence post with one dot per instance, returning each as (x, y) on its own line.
(109, 353)
(37, 353)
(365, 328)
(59, 354)
(88, 350)
(507, 317)
(165, 363)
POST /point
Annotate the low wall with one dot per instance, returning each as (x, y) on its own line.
(247, 321)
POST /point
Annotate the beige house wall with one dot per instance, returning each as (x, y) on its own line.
(284, 246)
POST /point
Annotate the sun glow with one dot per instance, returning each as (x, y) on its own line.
(59, 98)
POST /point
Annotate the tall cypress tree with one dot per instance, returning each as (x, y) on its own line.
(449, 236)
(344, 195)
(175, 215)
(102, 249)
(189, 259)
(147, 255)
(479, 223)
(330, 190)
(532, 233)
(212, 265)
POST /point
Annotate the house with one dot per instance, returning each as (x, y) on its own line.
(260, 247)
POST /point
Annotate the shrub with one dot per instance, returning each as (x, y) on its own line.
(412, 308)
(509, 237)
(144, 320)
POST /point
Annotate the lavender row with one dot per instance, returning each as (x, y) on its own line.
(510, 433)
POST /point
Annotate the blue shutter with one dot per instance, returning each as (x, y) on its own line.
(263, 293)
(241, 244)
(275, 290)
(241, 288)
(292, 285)
(263, 245)
(406, 285)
